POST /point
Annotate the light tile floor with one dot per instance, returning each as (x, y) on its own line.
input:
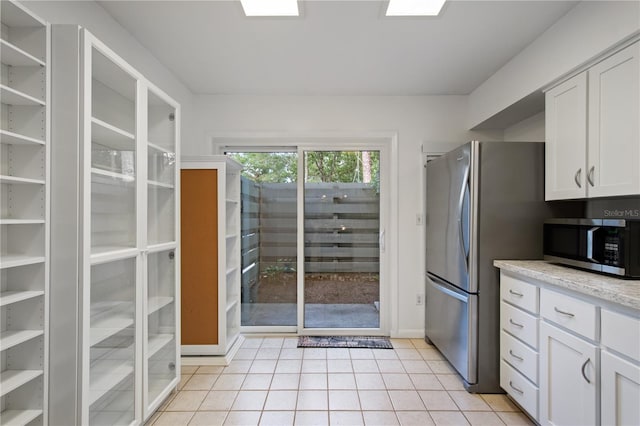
(272, 382)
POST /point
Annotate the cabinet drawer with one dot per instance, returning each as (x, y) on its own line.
(519, 388)
(519, 293)
(520, 356)
(621, 333)
(520, 324)
(571, 313)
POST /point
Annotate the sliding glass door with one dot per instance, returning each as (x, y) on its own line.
(312, 239)
(269, 293)
(341, 239)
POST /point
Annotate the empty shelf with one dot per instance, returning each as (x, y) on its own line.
(111, 136)
(13, 379)
(13, 260)
(157, 342)
(16, 57)
(110, 326)
(21, 221)
(157, 303)
(105, 176)
(11, 338)
(158, 148)
(13, 138)
(19, 417)
(106, 374)
(156, 184)
(101, 254)
(19, 181)
(9, 297)
(156, 247)
(12, 96)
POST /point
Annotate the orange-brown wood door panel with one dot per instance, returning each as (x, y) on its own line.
(199, 229)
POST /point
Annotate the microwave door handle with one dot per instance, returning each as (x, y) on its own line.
(590, 234)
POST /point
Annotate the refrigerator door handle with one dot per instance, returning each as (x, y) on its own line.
(463, 190)
(440, 285)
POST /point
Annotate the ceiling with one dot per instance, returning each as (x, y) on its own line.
(335, 47)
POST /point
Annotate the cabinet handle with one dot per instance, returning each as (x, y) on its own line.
(584, 366)
(515, 323)
(515, 293)
(569, 314)
(590, 175)
(577, 178)
(520, 391)
(519, 358)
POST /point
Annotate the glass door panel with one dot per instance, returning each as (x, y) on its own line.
(161, 172)
(341, 234)
(112, 342)
(269, 238)
(113, 157)
(161, 330)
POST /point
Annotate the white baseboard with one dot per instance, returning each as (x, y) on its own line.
(408, 333)
(214, 360)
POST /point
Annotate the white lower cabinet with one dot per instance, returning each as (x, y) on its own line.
(568, 360)
(568, 379)
(620, 391)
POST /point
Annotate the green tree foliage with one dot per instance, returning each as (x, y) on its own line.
(268, 167)
(320, 166)
(339, 166)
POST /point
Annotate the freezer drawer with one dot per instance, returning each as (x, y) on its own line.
(451, 325)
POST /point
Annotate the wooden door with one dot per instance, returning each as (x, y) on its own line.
(199, 244)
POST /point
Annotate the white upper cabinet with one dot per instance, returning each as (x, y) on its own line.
(593, 130)
(614, 125)
(566, 135)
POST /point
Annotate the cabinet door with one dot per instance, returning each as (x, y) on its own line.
(614, 126)
(161, 360)
(568, 377)
(566, 139)
(620, 391)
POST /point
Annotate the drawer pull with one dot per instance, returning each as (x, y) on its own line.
(519, 358)
(515, 323)
(515, 293)
(520, 391)
(569, 314)
(584, 366)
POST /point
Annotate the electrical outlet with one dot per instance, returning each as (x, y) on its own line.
(419, 299)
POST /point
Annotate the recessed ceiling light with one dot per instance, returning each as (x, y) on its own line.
(414, 7)
(270, 7)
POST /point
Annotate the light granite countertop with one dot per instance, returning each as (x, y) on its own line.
(610, 289)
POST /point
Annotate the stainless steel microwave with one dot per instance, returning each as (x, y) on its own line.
(610, 246)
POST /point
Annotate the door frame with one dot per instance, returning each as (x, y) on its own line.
(387, 144)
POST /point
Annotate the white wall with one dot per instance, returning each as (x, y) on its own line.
(437, 122)
(585, 32)
(93, 17)
(528, 130)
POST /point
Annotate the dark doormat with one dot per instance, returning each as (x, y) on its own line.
(344, 342)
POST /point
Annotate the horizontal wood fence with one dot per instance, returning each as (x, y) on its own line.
(341, 228)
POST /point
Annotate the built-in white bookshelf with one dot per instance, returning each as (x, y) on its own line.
(24, 214)
(120, 230)
(228, 260)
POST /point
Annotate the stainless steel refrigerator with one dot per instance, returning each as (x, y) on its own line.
(484, 201)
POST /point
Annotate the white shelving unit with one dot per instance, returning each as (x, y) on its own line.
(228, 205)
(123, 225)
(24, 215)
